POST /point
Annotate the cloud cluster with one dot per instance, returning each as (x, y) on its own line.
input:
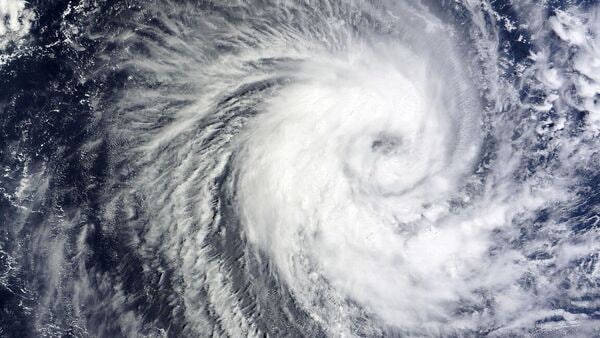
(15, 21)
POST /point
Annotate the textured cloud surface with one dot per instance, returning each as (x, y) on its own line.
(314, 168)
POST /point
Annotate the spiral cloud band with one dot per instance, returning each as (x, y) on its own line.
(304, 168)
(346, 174)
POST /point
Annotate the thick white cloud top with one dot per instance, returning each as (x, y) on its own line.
(15, 21)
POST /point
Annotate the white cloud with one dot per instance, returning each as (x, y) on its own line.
(15, 21)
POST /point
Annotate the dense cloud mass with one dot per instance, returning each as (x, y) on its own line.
(299, 168)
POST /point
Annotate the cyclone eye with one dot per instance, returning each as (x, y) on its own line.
(386, 144)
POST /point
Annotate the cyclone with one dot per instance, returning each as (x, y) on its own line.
(299, 168)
